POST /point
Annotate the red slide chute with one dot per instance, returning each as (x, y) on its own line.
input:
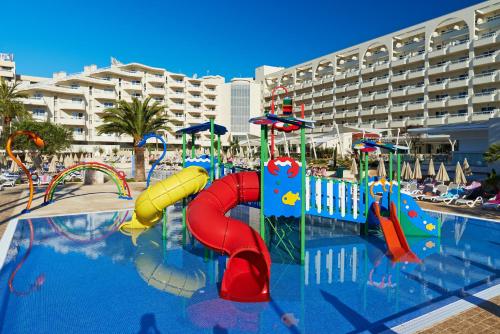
(247, 275)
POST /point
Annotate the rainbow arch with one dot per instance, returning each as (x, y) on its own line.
(118, 178)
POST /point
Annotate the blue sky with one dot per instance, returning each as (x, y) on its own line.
(229, 38)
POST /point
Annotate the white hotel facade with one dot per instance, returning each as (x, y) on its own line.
(443, 71)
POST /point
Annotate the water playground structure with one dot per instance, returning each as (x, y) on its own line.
(208, 190)
(38, 141)
(116, 176)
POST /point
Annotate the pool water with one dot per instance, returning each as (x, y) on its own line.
(84, 276)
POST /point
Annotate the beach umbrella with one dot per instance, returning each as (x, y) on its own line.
(75, 157)
(409, 172)
(417, 173)
(404, 171)
(354, 167)
(467, 169)
(459, 174)
(27, 159)
(381, 169)
(431, 171)
(53, 165)
(442, 174)
(14, 168)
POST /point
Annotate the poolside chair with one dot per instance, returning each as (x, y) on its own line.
(8, 180)
(493, 203)
(448, 197)
(440, 189)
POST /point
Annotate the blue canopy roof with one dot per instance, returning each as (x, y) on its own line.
(218, 129)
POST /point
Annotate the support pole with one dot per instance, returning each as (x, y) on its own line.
(219, 161)
(399, 186)
(212, 130)
(366, 192)
(184, 201)
(303, 193)
(193, 148)
(263, 159)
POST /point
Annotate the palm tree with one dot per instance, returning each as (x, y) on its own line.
(492, 154)
(134, 119)
(10, 106)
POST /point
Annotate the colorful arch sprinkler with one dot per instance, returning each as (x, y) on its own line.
(143, 142)
(38, 142)
(118, 178)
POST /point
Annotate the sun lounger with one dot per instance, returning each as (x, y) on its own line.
(493, 203)
(469, 202)
(437, 192)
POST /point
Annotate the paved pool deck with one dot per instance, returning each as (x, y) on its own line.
(75, 198)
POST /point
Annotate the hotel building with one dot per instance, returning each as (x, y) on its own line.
(77, 101)
(443, 71)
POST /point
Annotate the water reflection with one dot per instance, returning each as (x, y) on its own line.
(347, 283)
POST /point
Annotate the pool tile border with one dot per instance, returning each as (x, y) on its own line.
(6, 240)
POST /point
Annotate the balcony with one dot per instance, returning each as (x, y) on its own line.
(437, 103)
(340, 102)
(380, 110)
(457, 100)
(457, 118)
(415, 121)
(7, 73)
(339, 114)
(34, 101)
(366, 112)
(340, 89)
(381, 95)
(71, 105)
(415, 105)
(437, 86)
(381, 124)
(155, 78)
(352, 113)
(351, 87)
(176, 106)
(458, 82)
(398, 123)
(416, 73)
(155, 91)
(318, 94)
(194, 88)
(416, 58)
(458, 64)
(399, 76)
(367, 97)
(415, 90)
(438, 68)
(399, 107)
(486, 59)
(103, 94)
(209, 102)
(71, 121)
(437, 53)
(132, 87)
(307, 96)
(484, 97)
(486, 78)
(458, 46)
(196, 111)
(487, 39)
(436, 120)
(398, 92)
(484, 115)
(381, 80)
(352, 100)
(78, 137)
(176, 83)
(327, 92)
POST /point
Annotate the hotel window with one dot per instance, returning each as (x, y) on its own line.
(39, 113)
(75, 86)
(77, 115)
(108, 104)
(78, 131)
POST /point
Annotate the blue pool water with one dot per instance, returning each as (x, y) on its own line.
(82, 276)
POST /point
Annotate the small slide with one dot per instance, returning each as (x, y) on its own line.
(396, 241)
(246, 278)
(151, 202)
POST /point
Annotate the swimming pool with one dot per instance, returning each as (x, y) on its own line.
(83, 276)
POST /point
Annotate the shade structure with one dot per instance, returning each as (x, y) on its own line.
(381, 169)
(354, 167)
(14, 168)
(417, 172)
(442, 174)
(459, 174)
(27, 159)
(53, 165)
(431, 171)
(409, 172)
(467, 169)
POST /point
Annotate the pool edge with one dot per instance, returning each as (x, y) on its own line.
(6, 240)
(436, 316)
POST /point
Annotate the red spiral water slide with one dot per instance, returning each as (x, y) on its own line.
(247, 274)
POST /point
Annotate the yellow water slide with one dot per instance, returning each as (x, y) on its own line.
(150, 203)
